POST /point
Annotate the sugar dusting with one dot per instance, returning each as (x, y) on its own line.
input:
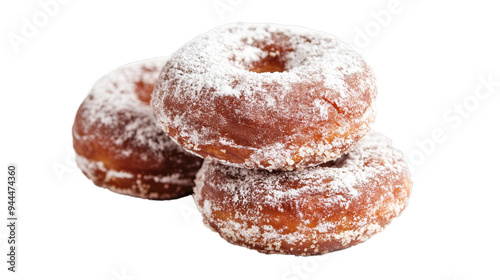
(140, 183)
(113, 105)
(216, 65)
(356, 180)
(116, 123)
(89, 167)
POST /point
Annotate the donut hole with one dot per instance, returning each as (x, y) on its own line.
(273, 56)
(270, 64)
(145, 83)
(144, 90)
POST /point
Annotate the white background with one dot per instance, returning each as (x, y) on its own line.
(429, 58)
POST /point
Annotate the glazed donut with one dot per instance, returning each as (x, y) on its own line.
(119, 144)
(306, 212)
(265, 96)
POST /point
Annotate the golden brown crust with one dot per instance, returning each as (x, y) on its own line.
(155, 186)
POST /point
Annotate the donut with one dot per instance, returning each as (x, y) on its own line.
(119, 144)
(265, 96)
(312, 211)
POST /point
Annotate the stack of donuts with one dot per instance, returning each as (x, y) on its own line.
(268, 124)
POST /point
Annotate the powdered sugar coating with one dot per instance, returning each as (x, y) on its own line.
(313, 108)
(148, 186)
(116, 133)
(113, 104)
(312, 211)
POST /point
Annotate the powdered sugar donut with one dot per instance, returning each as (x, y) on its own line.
(119, 144)
(266, 96)
(313, 211)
